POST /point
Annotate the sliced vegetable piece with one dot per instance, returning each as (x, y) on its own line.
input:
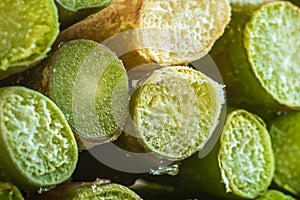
(176, 111)
(286, 144)
(27, 31)
(168, 32)
(260, 56)
(38, 148)
(100, 189)
(10, 192)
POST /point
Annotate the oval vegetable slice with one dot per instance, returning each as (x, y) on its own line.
(27, 31)
(10, 192)
(275, 194)
(176, 111)
(38, 148)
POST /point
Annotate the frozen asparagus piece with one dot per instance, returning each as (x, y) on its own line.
(175, 111)
(100, 189)
(71, 12)
(27, 31)
(10, 192)
(286, 145)
(241, 165)
(90, 85)
(259, 58)
(38, 148)
(168, 32)
(275, 194)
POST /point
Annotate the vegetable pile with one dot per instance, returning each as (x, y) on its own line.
(149, 99)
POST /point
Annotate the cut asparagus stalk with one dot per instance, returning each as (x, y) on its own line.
(71, 12)
(240, 166)
(168, 32)
(260, 56)
(100, 189)
(10, 192)
(285, 141)
(38, 148)
(275, 194)
(27, 31)
(90, 85)
(175, 111)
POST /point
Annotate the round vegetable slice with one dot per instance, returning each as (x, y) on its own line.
(38, 148)
(10, 192)
(176, 111)
(275, 194)
(27, 31)
(285, 141)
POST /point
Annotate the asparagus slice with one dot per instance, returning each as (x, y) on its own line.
(71, 12)
(100, 189)
(38, 148)
(285, 141)
(90, 85)
(175, 111)
(27, 31)
(275, 194)
(168, 32)
(240, 166)
(10, 192)
(259, 57)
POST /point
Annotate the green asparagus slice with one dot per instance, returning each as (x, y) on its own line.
(38, 148)
(27, 31)
(241, 165)
(274, 195)
(10, 192)
(71, 12)
(259, 58)
(90, 85)
(176, 110)
(286, 144)
(100, 189)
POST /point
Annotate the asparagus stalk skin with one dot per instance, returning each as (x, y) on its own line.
(71, 12)
(249, 72)
(99, 189)
(158, 30)
(284, 133)
(10, 192)
(27, 30)
(38, 148)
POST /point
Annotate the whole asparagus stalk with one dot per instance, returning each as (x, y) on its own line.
(285, 141)
(100, 189)
(38, 148)
(10, 192)
(167, 32)
(240, 166)
(71, 12)
(258, 55)
(27, 31)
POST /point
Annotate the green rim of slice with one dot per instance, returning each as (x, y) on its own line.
(275, 194)
(89, 84)
(286, 145)
(82, 4)
(10, 192)
(27, 31)
(38, 148)
(245, 156)
(176, 111)
(271, 39)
